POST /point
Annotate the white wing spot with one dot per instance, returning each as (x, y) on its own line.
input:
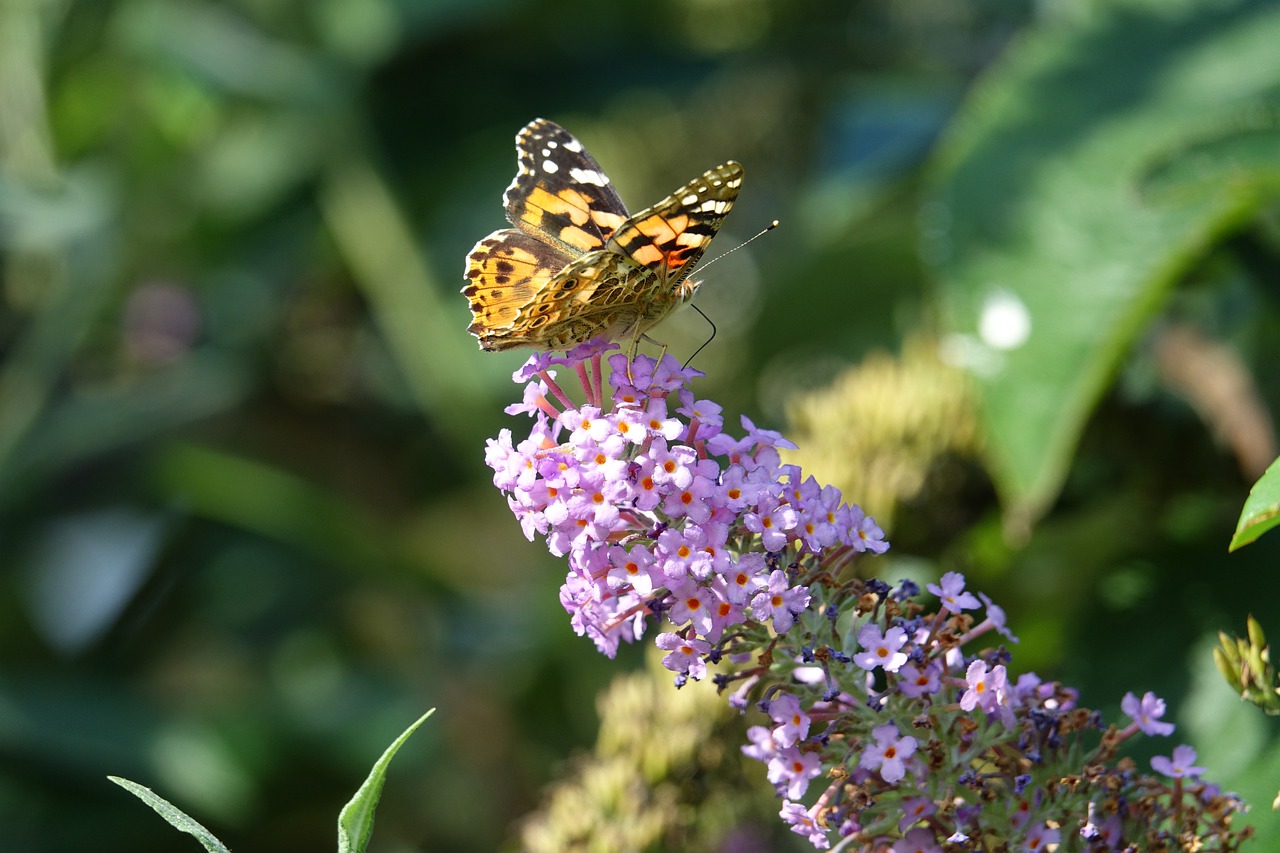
(573, 145)
(550, 167)
(588, 176)
(689, 200)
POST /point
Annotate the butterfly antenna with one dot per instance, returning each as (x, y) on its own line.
(772, 225)
(690, 359)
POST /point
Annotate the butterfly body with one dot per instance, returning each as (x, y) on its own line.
(577, 266)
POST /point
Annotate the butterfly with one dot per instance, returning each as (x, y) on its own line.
(577, 266)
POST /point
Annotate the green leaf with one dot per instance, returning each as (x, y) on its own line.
(1261, 511)
(1081, 180)
(174, 815)
(355, 821)
(1237, 149)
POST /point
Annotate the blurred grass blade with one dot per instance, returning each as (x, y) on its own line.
(64, 240)
(232, 54)
(174, 815)
(1261, 511)
(55, 248)
(253, 495)
(83, 427)
(1069, 212)
(355, 821)
(426, 337)
(25, 145)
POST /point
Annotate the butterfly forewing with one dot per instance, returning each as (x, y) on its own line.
(560, 195)
(675, 232)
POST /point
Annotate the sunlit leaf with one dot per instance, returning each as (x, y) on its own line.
(174, 815)
(1262, 509)
(1067, 213)
(355, 822)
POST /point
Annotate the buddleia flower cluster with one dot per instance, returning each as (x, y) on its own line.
(916, 745)
(886, 732)
(661, 512)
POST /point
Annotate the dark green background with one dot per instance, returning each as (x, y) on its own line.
(246, 533)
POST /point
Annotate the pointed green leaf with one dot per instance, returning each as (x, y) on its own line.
(355, 822)
(1261, 511)
(174, 815)
(1081, 181)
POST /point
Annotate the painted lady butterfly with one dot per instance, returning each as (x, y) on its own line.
(577, 266)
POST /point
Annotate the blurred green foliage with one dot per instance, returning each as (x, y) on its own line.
(1087, 178)
(248, 534)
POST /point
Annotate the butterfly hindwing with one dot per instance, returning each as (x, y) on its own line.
(505, 271)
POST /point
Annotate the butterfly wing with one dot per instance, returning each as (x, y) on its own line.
(560, 195)
(505, 272)
(639, 277)
(563, 205)
(576, 266)
(671, 236)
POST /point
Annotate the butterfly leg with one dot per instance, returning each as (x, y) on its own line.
(634, 347)
(631, 353)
